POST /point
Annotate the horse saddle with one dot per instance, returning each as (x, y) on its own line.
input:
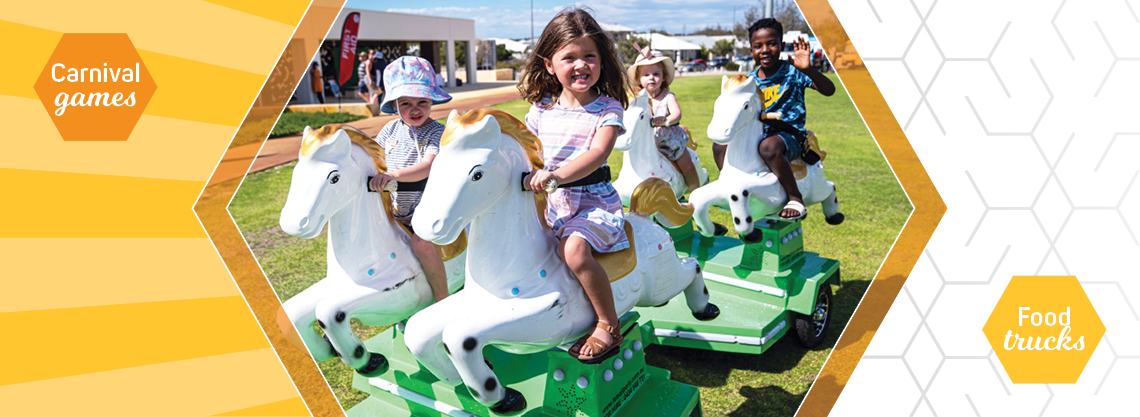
(799, 167)
(621, 263)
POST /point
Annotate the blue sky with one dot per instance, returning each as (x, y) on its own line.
(511, 18)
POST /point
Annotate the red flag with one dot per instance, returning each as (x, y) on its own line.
(348, 46)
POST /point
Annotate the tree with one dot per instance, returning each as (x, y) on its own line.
(785, 11)
(502, 54)
(627, 51)
(722, 47)
(718, 30)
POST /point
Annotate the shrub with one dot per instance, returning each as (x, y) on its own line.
(732, 66)
(293, 123)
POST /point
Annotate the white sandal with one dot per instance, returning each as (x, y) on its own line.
(794, 205)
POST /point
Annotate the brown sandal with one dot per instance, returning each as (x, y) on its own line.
(597, 346)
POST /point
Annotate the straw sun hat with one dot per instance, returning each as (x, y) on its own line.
(646, 57)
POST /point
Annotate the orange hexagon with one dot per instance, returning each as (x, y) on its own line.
(95, 87)
(1044, 329)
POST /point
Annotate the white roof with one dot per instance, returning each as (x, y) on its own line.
(512, 45)
(388, 26)
(614, 27)
(706, 41)
(661, 42)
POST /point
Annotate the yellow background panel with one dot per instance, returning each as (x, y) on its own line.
(287, 12)
(55, 204)
(75, 341)
(290, 407)
(189, 29)
(198, 91)
(63, 273)
(202, 386)
(159, 147)
(31, 47)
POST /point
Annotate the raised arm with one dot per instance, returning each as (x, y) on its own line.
(802, 62)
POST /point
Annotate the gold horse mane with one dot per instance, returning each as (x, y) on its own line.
(314, 139)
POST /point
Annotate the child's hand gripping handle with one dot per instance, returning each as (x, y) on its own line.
(392, 186)
(771, 116)
(549, 187)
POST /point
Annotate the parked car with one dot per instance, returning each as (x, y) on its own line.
(693, 66)
(718, 62)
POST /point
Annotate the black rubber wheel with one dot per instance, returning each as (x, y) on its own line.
(812, 329)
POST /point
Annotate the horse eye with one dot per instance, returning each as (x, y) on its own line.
(477, 176)
(642, 116)
(334, 179)
(745, 106)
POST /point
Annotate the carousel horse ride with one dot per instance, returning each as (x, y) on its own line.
(746, 186)
(373, 275)
(766, 283)
(497, 346)
(642, 160)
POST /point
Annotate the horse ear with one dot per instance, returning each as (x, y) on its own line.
(308, 130)
(723, 82)
(483, 134)
(335, 147)
(452, 116)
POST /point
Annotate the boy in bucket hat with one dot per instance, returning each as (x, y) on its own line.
(410, 145)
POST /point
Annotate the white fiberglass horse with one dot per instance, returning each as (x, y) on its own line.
(373, 275)
(746, 186)
(519, 295)
(642, 160)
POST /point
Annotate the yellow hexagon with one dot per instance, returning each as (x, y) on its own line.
(1044, 329)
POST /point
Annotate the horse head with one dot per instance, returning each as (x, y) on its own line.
(735, 108)
(325, 180)
(637, 120)
(470, 173)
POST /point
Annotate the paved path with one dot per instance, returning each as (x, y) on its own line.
(285, 149)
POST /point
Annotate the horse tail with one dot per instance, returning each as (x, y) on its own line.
(655, 196)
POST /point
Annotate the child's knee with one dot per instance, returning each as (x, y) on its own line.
(576, 252)
(772, 147)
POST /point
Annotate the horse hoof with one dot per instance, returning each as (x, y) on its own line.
(711, 312)
(377, 365)
(835, 219)
(755, 237)
(662, 304)
(335, 353)
(513, 402)
(719, 229)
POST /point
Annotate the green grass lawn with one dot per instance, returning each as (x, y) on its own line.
(772, 384)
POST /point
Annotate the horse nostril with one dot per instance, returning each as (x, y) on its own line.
(304, 222)
(726, 131)
(437, 226)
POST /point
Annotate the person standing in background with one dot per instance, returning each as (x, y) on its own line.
(317, 81)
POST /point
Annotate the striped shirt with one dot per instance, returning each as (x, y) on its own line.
(405, 146)
(592, 212)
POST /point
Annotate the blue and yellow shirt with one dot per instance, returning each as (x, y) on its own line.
(784, 92)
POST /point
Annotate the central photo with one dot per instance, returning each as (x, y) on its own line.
(616, 215)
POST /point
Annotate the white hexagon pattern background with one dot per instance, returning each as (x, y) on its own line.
(1025, 115)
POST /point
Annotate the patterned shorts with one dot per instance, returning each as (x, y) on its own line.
(671, 141)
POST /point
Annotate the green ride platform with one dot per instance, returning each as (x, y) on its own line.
(760, 289)
(551, 381)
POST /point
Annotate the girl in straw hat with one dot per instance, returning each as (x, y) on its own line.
(653, 73)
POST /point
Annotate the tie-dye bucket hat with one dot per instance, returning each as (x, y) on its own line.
(410, 76)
